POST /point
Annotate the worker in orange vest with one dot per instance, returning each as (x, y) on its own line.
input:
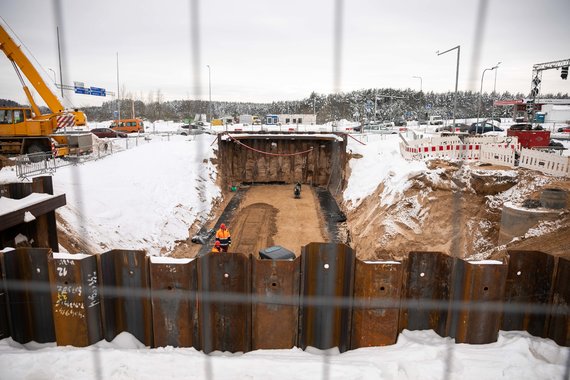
(217, 247)
(224, 237)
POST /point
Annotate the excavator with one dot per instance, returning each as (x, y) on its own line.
(25, 130)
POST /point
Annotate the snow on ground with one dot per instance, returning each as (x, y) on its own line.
(147, 196)
(141, 198)
(417, 355)
(381, 162)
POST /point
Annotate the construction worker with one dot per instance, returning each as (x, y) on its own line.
(217, 247)
(224, 237)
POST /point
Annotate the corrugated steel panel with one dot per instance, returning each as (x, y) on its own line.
(327, 283)
(174, 311)
(125, 294)
(75, 297)
(275, 314)
(478, 290)
(28, 294)
(375, 314)
(4, 321)
(224, 302)
(427, 286)
(528, 289)
(559, 328)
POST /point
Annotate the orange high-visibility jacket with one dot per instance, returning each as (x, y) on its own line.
(224, 237)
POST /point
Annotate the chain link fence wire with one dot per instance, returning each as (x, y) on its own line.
(195, 67)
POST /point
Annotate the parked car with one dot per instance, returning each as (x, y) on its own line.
(189, 130)
(400, 123)
(484, 127)
(521, 127)
(461, 127)
(107, 132)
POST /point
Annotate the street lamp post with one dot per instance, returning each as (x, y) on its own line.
(495, 90)
(458, 47)
(480, 93)
(209, 94)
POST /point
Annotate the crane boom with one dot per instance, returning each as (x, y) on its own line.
(15, 54)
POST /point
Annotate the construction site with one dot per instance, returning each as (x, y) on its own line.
(402, 239)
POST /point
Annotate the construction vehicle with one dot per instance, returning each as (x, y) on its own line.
(25, 130)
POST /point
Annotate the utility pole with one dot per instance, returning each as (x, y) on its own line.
(118, 93)
(59, 56)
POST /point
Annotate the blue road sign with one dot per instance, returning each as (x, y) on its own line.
(81, 90)
(98, 93)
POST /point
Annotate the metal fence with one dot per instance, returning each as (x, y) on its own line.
(233, 302)
(35, 164)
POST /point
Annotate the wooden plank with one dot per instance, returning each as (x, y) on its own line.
(17, 217)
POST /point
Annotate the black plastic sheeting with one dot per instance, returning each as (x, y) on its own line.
(332, 214)
(226, 216)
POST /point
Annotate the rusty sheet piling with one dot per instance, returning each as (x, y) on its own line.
(528, 290)
(224, 302)
(475, 308)
(28, 294)
(174, 312)
(559, 328)
(327, 283)
(4, 324)
(75, 299)
(275, 284)
(375, 314)
(125, 294)
(427, 285)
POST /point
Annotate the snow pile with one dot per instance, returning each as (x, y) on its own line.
(141, 198)
(381, 163)
(416, 355)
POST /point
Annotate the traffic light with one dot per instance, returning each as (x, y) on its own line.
(564, 72)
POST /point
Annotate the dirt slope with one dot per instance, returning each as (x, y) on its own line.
(456, 212)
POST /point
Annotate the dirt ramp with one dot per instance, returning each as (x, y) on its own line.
(254, 228)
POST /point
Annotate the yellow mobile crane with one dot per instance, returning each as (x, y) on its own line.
(25, 130)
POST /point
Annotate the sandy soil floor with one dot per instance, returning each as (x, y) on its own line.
(270, 215)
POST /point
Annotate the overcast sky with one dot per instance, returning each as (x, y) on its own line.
(263, 50)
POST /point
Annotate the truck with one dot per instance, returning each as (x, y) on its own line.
(25, 130)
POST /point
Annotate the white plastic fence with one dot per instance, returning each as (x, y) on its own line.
(549, 163)
(498, 155)
(452, 147)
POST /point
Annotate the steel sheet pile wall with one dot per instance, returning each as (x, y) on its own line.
(559, 327)
(275, 312)
(173, 294)
(375, 314)
(125, 294)
(30, 315)
(325, 298)
(427, 286)
(529, 284)
(224, 303)
(75, 299)
(279, 158)
(476, 297)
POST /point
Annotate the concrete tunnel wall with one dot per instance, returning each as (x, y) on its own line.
(271, 158)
